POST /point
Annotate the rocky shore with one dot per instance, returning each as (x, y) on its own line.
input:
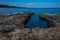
(53, 21)
(17, 21)
(10, 22)
(32, 34)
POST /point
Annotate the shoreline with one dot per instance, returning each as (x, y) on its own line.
(21, 33)
(53, 21)
(14, 21)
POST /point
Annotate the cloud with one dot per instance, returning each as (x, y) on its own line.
(30, 4)
(38, 5)
(43, 5)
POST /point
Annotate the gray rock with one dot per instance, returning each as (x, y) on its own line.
(10, 22)
(35, 34)
(53, 21)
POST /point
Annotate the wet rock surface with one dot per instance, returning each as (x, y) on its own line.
(53, 21)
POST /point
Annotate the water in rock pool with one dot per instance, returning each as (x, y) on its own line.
(34, 20)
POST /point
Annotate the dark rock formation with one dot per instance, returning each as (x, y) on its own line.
(53, 21)
(10, 22)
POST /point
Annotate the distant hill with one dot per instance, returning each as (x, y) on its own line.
(7, 6)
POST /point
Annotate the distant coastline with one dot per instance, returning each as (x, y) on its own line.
(7, 6)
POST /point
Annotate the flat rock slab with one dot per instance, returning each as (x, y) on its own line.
(53, 21)
(9, 22)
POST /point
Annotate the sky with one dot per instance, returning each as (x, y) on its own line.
(33, 3)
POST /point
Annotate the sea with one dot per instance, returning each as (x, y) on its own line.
(34, 21)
